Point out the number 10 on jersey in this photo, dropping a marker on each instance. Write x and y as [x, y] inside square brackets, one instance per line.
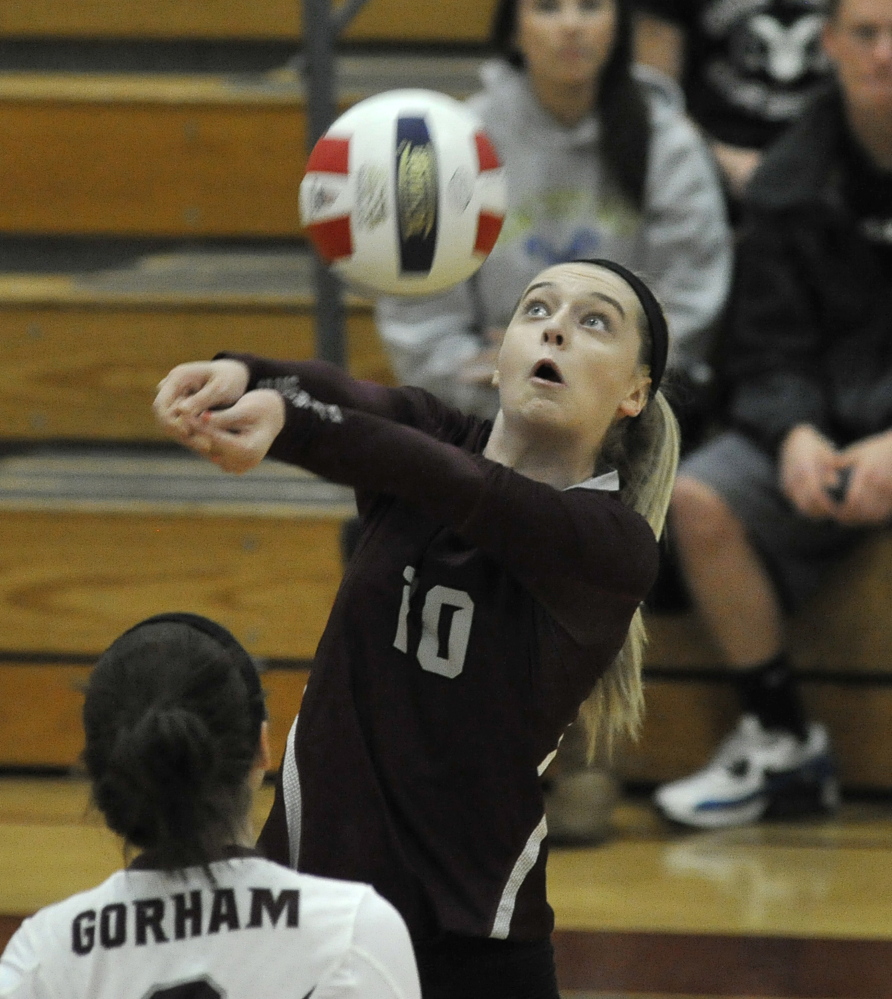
[445, 627]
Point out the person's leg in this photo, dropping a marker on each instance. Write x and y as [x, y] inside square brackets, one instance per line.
[727, 580]
[738, 602]
[726, 514]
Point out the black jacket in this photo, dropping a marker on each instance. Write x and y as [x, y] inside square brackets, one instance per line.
[810, 323]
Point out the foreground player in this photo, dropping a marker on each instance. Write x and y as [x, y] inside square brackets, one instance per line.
[497, 573]
[175, 747]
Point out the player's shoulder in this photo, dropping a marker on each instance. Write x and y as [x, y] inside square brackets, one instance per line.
[49, 929]
[591, 502]
[91, 898]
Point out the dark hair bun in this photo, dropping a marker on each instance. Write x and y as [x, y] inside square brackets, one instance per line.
[172, 718]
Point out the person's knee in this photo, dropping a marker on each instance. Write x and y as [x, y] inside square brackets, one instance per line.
[701, 519]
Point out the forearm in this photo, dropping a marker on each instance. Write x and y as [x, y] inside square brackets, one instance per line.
[325, 382]
[374, 454]
[529, 527]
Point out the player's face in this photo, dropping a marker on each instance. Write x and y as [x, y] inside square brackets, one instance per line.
[859, 41]
[570, 360]
[565, 41]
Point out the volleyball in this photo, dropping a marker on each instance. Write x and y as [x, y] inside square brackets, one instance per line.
[404, 194]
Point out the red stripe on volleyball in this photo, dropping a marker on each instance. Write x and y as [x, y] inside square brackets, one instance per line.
[488, 228]
[329, 156]
[332, 238]
[486, 153]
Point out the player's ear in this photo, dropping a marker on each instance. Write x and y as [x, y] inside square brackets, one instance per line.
[495, 378]
[635, 401]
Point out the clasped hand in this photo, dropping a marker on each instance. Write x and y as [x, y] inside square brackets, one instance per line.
[810, 468]
[204, 406]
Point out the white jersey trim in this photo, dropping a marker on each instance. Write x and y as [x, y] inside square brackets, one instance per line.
[543, 766]
[292, 796]
[609, 481]
[525, 863]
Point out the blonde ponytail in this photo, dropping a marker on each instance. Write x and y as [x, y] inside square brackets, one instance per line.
[644, 451]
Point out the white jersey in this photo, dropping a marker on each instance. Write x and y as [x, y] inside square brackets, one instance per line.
[260, 931]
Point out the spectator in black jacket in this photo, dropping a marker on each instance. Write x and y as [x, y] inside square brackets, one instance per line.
[805, 469]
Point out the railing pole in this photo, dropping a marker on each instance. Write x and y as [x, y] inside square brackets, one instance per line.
[319, 68]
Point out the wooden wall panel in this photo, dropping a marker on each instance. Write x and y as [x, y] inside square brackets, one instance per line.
[90, 373]
[651, 965]
[381, 20]
[284, 693]
[685, 721]
[40, 714]
[40, 711]
[71, 582]
[138, 169]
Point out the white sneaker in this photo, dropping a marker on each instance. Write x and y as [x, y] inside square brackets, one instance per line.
[756, 773]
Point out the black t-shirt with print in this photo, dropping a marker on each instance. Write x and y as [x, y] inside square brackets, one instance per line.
[750, 65]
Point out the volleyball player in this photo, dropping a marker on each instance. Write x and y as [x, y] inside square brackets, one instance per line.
[499, 569]
[176, 745]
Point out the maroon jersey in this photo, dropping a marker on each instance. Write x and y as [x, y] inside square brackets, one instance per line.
[476, 614]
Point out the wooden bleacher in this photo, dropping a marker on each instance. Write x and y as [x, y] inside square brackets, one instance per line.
[173, 155]
[841, 644]
[145, 155]
[84, 352]
[95, 540]
[101, 524]
[390, 21]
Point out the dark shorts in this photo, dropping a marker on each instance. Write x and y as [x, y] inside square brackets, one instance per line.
[454, 967]
[797, 551]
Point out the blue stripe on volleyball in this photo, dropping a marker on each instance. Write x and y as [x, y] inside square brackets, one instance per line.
[417, 207]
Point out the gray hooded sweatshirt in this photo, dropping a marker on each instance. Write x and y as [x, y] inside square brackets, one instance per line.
[561, 207]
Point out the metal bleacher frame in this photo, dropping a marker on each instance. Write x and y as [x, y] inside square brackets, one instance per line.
[323, 24]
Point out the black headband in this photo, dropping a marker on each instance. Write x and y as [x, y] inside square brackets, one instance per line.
[225, 638]
[656, 321]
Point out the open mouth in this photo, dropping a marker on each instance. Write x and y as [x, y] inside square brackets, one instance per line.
[548, 371]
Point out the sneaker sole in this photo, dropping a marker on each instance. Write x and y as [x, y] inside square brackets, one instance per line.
[721, 817]
[809, 790]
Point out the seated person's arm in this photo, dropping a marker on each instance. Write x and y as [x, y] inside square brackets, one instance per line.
[433, 343]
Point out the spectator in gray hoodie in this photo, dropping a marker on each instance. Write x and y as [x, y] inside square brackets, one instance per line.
[600, 160]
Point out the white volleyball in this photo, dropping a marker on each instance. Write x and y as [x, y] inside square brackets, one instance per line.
[404, 194]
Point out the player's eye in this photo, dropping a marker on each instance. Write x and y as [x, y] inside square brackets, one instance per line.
[595, 321]
[535, 309]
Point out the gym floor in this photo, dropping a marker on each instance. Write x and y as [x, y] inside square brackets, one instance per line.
[777, 911]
